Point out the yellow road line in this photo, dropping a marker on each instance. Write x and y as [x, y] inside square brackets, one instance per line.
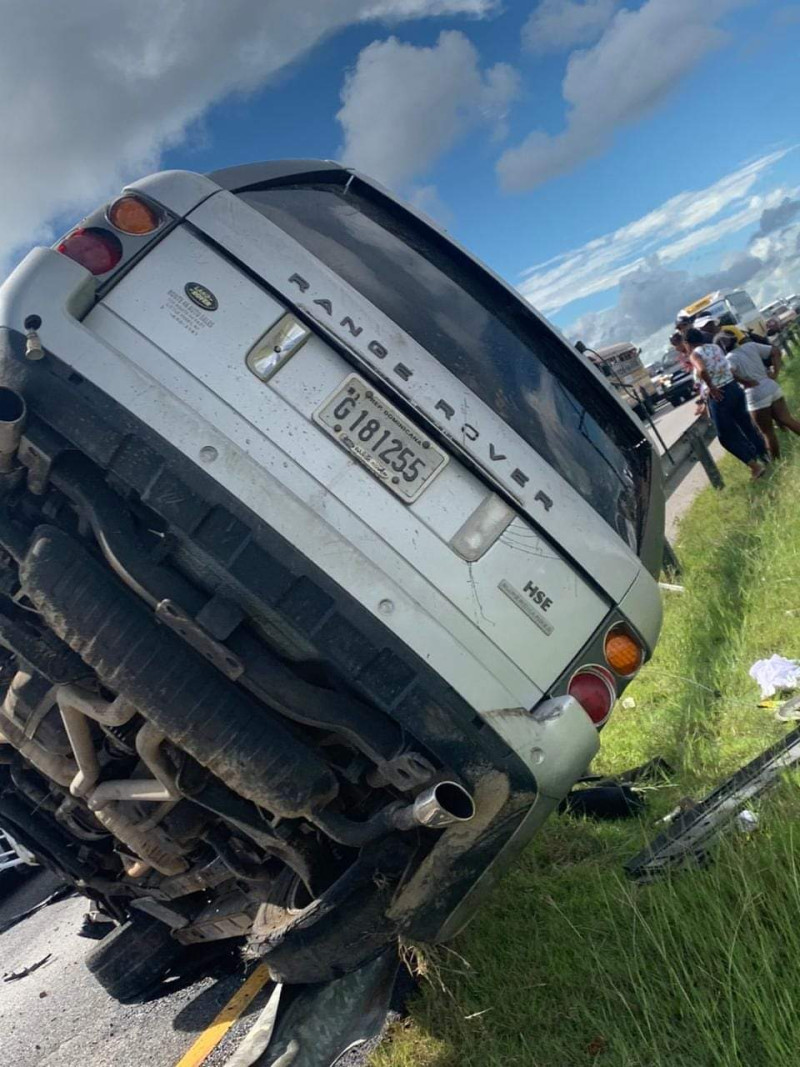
[213, 1034]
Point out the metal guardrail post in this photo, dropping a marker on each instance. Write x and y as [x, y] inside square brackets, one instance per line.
[701, 453]
[670, 563]
[691, 447]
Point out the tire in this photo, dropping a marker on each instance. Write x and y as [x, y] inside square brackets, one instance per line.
[676, 401]
[129, 962]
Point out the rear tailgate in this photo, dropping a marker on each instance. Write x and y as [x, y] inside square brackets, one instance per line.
[517, 614]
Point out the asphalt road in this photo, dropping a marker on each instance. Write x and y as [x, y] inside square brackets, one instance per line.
[59, 1017]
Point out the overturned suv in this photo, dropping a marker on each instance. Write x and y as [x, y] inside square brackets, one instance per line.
[323, 559]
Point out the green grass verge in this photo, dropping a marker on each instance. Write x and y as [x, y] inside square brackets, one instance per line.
[568, 964]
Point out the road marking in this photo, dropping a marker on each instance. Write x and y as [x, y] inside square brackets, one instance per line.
[213, 1034]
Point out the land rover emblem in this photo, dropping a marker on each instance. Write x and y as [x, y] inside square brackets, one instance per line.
[201, 296]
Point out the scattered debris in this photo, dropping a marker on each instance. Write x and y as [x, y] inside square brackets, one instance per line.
[15, 976]
[618, 801]
[614, 797]
[476, 1014]
[746, 821]
[668, 587]
[686, 841]
[60, 893]
[789, 711]
[774, 674]
[316, 1025]
[629, 703]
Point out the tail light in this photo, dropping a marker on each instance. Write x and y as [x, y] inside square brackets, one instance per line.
[624, 654]
[593, 687]
[131, 214]
[96, 249]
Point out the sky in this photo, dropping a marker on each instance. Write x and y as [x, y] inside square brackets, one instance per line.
[612, 159]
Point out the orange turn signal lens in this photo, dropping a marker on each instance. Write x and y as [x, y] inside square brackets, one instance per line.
[624, 654]
[132, 215]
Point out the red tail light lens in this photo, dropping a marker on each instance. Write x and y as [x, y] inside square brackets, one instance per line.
[593, 688]
[95, 249]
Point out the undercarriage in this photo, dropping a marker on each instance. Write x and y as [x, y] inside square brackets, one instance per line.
[180, 744]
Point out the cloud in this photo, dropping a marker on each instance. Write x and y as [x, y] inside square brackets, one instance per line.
[96, 90]
[403, 106]
[776, 218]
[680, 225]
[651, 296]
[558, 25]
[642, 56]
[426, 199]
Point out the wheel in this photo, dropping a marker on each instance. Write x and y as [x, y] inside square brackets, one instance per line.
[134, 958]
[676, 401]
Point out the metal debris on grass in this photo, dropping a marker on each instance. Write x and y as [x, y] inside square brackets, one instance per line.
[686, 841]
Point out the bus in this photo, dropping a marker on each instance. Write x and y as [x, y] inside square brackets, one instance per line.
[325, 561]
[622, 365]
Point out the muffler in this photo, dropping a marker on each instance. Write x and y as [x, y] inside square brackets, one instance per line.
[170, 684]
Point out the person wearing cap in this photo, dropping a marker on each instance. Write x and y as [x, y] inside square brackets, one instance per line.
[726, 404]
[708, 327]
[763, 395]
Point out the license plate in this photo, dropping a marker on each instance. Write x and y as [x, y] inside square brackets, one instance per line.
[375, 433]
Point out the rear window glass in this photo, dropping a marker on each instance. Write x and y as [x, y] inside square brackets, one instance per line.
[523, 371]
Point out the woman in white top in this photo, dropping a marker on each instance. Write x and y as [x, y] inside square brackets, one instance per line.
[763, 395]
[726, 406]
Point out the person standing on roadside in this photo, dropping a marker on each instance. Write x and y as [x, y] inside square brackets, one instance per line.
[682, 350]
[708, 327]
[764, 397]
[726, 404]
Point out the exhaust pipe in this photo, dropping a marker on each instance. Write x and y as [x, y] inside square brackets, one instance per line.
[13, 413]
[439, 806]
[435, 808]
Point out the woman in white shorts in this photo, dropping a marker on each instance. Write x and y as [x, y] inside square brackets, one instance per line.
[764, 397]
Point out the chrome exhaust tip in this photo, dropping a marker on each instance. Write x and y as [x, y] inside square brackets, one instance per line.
[442, 805]
[13, 414]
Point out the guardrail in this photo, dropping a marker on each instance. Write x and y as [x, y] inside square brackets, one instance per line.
[690, 448]
[677, 461]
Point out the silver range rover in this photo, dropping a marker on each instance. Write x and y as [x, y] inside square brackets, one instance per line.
[324, 561]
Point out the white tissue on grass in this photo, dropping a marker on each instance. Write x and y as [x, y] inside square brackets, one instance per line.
[774, 674]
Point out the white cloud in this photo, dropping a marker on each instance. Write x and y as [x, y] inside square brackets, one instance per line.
[558, 25]
[650, 296]
[426, 199]
[96, 89]
[680, 225]
[403, 106]
[641, 57]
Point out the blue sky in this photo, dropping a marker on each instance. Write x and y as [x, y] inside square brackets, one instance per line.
[605, 156]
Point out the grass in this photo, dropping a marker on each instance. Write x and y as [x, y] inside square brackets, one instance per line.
[569, 964]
